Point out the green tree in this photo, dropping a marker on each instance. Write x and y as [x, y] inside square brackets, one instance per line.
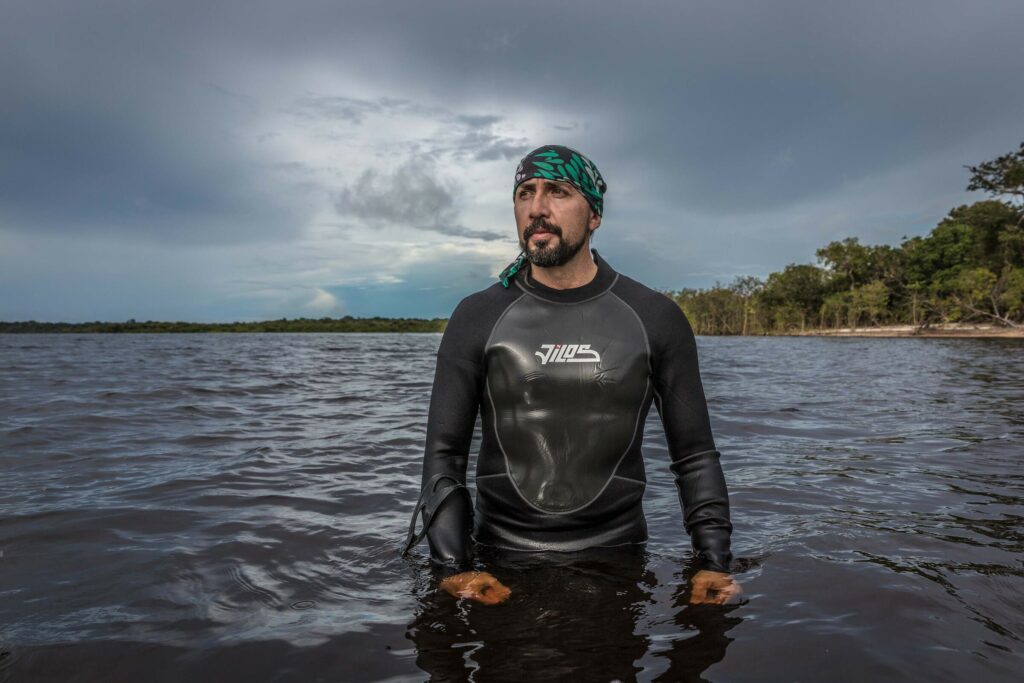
[747, 288]
[794, 296]
[1011, 245]
[847, 262]
[936, 260]
[718, 310]
[981, 293]
[989, 220]
[1011, 296]
[1000, 177]
[871, 299]
[835, 310]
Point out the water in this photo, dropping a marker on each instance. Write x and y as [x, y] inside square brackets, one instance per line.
[231, 507]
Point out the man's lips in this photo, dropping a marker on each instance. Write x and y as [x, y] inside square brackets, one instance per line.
[541, 234]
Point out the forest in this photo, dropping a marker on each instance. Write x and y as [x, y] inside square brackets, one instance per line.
[969, 268]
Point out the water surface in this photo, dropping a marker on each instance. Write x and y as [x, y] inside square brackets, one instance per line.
[231, 507]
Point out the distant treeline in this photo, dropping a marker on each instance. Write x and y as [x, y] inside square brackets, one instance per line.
[346, 324]
[970, 268]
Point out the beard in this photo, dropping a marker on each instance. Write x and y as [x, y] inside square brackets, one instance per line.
[546, 254]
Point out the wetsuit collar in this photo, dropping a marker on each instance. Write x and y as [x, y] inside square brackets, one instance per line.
[602, 282]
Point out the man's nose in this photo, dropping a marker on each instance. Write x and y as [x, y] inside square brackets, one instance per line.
[539, 206]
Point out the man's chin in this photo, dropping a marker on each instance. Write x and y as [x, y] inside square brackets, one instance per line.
[540, 251]
[542, 242]
[551, 251]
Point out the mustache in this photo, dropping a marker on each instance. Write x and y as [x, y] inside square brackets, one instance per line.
[541, 225]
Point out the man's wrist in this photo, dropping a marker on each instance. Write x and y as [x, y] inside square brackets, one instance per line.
[714, 561]
[442, 570]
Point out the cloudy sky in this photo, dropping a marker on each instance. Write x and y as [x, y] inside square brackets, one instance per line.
[248, 159]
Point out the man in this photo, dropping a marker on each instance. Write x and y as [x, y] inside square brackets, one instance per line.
[563, 358]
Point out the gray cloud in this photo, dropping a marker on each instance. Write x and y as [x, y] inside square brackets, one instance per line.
[706, 99]
[64, 170]
[104, 132]
[480, 140]
[347, 109]
[414, 195]
[457, 230]
[729, 133]
[485, 145]
[356, 110]
[478, 122]
[709, 97]
[466, 136]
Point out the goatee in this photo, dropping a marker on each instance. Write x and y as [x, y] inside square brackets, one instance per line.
[546, 254]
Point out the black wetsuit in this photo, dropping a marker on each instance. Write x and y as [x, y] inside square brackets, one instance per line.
[564, 380]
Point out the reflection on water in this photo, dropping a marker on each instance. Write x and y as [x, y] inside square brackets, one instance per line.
[231, 507]
[572, 617]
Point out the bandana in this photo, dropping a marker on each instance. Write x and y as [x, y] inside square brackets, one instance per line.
[555, 162]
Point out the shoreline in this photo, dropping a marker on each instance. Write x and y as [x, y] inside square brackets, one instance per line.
[437, 325]
[946, 330]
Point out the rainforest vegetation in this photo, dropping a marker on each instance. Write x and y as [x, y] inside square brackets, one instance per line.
[969, 268]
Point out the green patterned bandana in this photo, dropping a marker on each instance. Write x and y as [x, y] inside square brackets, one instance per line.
[555, 162]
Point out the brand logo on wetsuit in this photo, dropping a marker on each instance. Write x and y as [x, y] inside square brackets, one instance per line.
[567, 353]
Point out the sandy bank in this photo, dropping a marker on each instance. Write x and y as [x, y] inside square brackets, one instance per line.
[945, 330]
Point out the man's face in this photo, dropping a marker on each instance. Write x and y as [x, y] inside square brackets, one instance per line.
[553, 220]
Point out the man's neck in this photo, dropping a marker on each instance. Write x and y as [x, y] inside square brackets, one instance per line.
[576, 273]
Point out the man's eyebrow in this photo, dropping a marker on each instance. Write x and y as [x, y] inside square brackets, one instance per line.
[560, 184]
[549, 185]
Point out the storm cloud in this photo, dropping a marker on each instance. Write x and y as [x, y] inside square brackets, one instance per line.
[270, 159]
[414, 195]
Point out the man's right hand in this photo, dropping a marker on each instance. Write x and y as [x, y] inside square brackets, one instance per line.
[479, 586]
[715, 588]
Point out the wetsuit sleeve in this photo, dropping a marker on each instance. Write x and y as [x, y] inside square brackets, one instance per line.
[679, 396]
[454, 401]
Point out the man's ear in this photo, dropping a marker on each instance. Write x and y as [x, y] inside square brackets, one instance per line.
[595, 220]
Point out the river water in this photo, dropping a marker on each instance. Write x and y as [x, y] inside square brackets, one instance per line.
[231, 507]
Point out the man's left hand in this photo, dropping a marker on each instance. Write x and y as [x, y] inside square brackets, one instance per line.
[714, 588]
[479, 586]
